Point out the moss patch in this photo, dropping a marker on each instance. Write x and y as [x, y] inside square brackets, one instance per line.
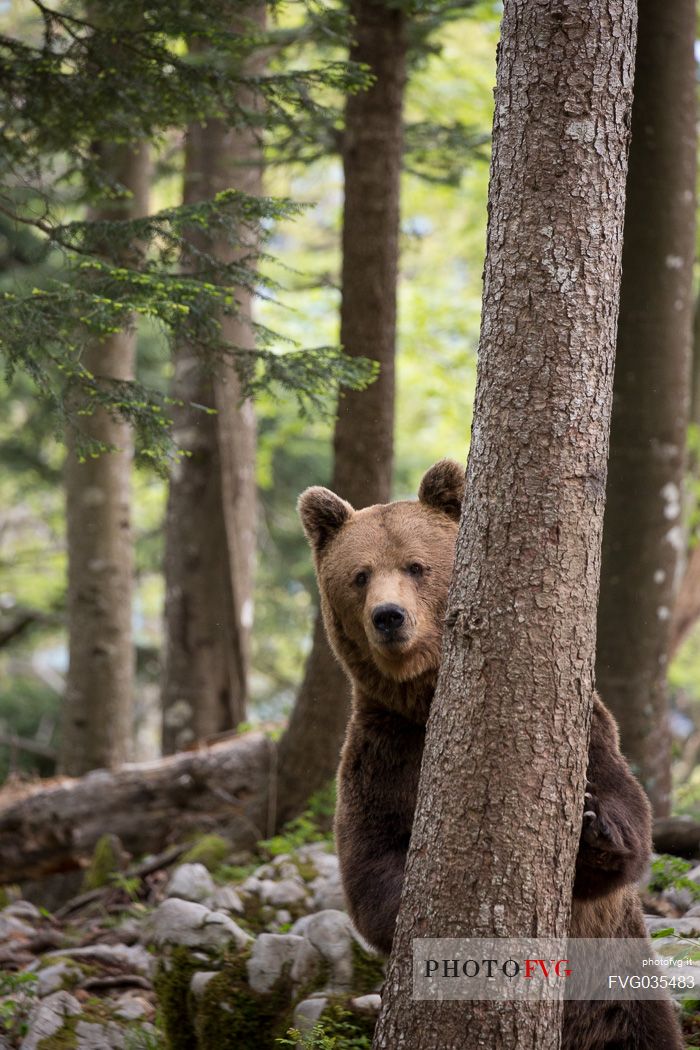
[306, 869]
[367, 970]
[253, 920]
[173, 989]
[231, 1016]
[64, 1039]
[107, 861]
[209, 850]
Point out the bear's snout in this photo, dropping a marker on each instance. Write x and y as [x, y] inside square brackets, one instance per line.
[388, 618]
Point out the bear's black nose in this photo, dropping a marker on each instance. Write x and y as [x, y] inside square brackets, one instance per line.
[388, 617]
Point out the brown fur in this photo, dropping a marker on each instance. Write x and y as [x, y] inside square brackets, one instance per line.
[400, 555]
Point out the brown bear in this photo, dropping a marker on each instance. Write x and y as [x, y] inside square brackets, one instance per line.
[383, 576]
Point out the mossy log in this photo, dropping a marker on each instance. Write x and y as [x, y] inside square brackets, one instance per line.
[50, 827]
[677, 835]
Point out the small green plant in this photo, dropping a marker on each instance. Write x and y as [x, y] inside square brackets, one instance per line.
[313, 825]
[313, 1040]
[235, 872]
[17, 994]
[130, 885]
[668, 931]
[338, 1029]
[668, 872]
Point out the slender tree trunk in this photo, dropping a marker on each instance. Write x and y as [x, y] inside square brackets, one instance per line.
[686, 608]
[363, 442]
[506, 749]
[210, 531]
[643, 536]
[98, 705]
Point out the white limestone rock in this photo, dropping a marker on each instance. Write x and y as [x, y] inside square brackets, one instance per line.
[48, 1017]
[191, 882]
[193, 925]
[272, 953]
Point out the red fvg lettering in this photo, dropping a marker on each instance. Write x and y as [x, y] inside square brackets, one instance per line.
[532, 966]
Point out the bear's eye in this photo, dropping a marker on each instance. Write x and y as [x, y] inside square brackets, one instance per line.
[361, 578]
[415, 568]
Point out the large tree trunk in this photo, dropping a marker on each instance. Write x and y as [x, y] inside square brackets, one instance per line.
[506, 749]
[363, 442]
[97, 709]
[643, 536]
[54, 827]
[210, 531]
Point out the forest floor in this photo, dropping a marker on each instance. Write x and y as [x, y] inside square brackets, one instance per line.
[213, 951]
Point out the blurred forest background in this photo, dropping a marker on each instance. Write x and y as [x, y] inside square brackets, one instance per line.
[442, 244]
[112, 112]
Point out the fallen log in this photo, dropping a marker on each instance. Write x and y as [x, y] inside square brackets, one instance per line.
[47, 828]
[677, 835]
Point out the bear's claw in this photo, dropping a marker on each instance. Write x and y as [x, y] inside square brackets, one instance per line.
[596, 831]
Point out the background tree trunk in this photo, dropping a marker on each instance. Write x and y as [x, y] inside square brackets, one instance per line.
[363, 442]
[506, 748]
[643, 536]
[210, 530]
[686, 608]
[96, 723]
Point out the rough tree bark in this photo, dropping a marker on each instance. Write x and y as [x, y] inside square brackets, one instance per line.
[643, 535]
[210, 530]
[363, 443]
[96, 718]
[506, 748]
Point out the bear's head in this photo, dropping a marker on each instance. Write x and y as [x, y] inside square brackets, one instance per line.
[383, 573]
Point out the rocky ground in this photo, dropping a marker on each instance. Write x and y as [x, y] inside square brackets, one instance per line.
[206, 954]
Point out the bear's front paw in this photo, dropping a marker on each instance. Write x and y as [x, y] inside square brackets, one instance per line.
[596, 831]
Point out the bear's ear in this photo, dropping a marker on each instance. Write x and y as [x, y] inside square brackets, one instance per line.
[442, 488]
[322, 513]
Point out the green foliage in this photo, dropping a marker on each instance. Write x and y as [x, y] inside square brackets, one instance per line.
[338, 1029]
[235, 872]
[21, 991]
[442, 244]
[439, 152]
[128, 884]
[121, 77]
[669, 872]
[46, 328]
[122, 74]
[667, 931]
[313, 825]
